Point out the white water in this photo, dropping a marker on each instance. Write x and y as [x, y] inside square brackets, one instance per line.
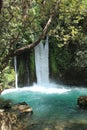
[16, 76]
[54, 102]
[41, 89]
[42, 73]
[54, 106]
[42, 63]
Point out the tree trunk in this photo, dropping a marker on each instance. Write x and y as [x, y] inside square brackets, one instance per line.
[0, 5]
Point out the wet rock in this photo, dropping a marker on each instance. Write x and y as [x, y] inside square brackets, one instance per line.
[14, 118]
[82, 102]
[2, 110]
[23, 108]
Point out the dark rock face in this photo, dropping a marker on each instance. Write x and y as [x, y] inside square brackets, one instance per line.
[82, 102]
[74, 76]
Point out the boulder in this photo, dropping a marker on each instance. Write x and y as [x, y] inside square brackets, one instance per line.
[23, 108]
[82, 102]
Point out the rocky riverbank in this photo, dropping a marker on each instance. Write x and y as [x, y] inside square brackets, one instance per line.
[14, 117]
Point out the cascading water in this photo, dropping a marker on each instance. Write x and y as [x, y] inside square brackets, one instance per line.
[55, 107]
[42, 63]
[16, 77]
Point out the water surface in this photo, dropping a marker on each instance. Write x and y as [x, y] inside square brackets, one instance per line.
[55, 107]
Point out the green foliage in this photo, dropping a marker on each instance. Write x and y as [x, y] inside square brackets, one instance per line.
[23, 21]
[7, 77]
[81, 59]
[21, 67]
[64, 58]
[68, 26]
[60, 57]
[32, 66]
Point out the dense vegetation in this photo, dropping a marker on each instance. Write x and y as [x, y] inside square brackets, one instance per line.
[25, 23]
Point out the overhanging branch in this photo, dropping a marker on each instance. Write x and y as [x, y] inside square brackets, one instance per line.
[43, 34]
[32, 45]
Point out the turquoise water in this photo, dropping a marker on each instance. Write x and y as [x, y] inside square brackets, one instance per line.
[57, 105]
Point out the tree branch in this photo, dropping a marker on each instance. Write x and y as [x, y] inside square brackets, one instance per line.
[43, 34]
[32, 45]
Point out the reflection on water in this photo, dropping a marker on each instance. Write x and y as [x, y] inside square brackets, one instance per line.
[55, 107]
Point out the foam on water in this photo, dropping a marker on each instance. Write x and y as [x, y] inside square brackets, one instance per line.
[47, 88]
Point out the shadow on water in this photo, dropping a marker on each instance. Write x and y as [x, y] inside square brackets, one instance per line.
[57, 126]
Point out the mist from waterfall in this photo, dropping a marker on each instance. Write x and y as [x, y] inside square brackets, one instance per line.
[16, 73]
[42, 62]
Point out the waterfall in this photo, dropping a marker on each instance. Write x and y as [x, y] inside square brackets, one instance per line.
[42, 63]
[15, 67]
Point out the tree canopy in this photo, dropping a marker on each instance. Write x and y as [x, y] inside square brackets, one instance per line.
[25, 23]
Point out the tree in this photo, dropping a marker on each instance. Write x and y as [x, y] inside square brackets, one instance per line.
[21, 21]
[25, 23]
